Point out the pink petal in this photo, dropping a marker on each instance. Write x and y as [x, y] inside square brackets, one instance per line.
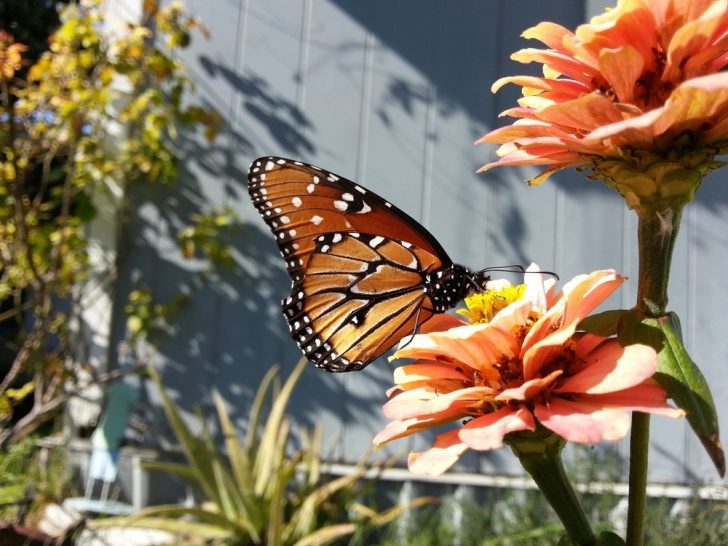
[449, 406]
[610, 368]
[487, 432]
[400, 429]
[545, 350]
[567, 87]
[585, 113]
[692, 38]
[548, 33]
[585, 423]
[586, 343]
[560, 62]
[427, 372]
[528, 389]
[535, 287]
[444, 453]
[648, 397]
[589, 293]
[476, 346]
[689, 108]
[442, 322]
[622, 68]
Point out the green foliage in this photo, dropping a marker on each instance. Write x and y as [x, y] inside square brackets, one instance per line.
[678, 375]
[256, 492]
[147, 319]
[23, 478]
[523, 518]
[207, 235]
[94, 111]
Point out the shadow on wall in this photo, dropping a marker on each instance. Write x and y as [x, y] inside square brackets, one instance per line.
[232, 331]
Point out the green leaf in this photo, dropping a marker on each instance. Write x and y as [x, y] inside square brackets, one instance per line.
[678, 375]
[607, 538]
[327, 535]
[686, 385]
[602, 324]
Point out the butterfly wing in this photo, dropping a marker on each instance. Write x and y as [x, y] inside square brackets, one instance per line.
[360, 295]
[300, 202]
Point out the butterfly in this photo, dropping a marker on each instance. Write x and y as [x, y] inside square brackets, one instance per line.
[364, 273]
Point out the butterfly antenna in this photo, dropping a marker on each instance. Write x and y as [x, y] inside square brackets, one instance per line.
[517, 268]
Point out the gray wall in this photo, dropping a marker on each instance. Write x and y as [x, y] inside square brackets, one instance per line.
[391, 94]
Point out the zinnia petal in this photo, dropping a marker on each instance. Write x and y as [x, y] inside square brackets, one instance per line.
[487, 432]
[444, 453]
[583, 422]
[446, 407]
[610, 368]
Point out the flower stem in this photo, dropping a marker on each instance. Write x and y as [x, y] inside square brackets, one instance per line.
[656, 235]
[656, 232]
[541, 457]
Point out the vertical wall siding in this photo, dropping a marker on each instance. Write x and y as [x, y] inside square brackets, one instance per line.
[391, 94]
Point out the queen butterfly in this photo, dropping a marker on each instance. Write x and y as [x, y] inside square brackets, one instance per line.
[364, 273]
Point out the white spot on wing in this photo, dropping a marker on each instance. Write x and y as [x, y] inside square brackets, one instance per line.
[341, 205]
[376, 241]
[347, 197]
[316, 219]
[336, 238]
[270, 166]
[296, 202]
[310, 188]
[285, 219]
[364, 209]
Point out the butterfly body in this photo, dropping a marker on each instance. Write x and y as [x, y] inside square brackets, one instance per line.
[364, 274]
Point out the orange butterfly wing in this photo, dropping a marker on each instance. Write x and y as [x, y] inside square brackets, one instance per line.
[300, 202]
[360, 295]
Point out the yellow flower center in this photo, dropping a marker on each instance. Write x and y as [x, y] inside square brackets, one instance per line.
[483, 306]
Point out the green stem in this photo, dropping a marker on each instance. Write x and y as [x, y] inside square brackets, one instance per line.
[540, 455]
[657, 232]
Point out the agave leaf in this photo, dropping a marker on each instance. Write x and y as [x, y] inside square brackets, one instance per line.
[312, 447]
[327, 535]
[387, 516]
[240, 466]
[302, 521]
[227, 504]
[276, 509]
[182, 470]
[264, 461]
[256, 410]
[174, 512]
[176, 526]
[197, 454]
[239, 460]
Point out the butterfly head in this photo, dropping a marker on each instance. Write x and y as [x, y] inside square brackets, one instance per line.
[449, 285]
[477, 281]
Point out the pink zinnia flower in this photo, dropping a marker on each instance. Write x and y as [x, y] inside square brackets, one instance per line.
[524, 362]
[642, 77]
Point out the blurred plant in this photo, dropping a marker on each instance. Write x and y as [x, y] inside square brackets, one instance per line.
[523, 518]
[147, 319]
[206, 236]
[259, 493]
[98, 110]
[26, 486]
